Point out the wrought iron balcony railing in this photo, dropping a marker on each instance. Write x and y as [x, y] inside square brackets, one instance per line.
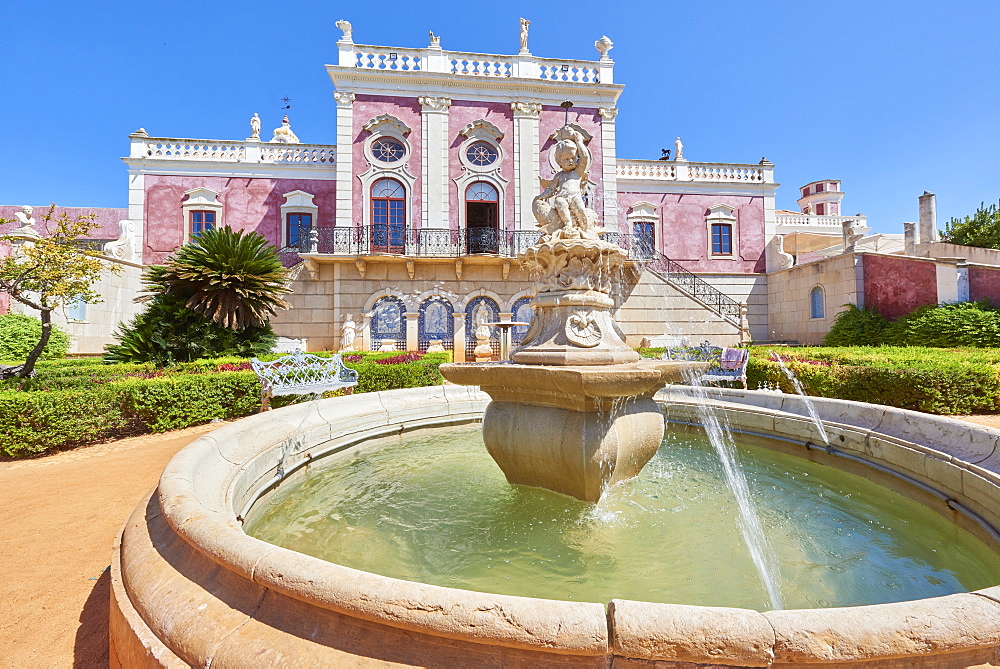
[388, 239]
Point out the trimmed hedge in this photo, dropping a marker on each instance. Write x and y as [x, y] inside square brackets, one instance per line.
[935, 381]
[19, 334]
[78, 402]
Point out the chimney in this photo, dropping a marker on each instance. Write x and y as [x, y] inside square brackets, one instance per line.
[928, 219]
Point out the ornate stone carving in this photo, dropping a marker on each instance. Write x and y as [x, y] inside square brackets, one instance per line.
[387, 123]
[435, 41]
[853, 232]
[582, 329]
[482, 129]
[283, 134]
[679, 153]
[121, 248]
[349, 332]
[608, 113]
[603, 46]
[344, 98]
[347, 29]
[782, 259]
[529, 109]
[428, 103]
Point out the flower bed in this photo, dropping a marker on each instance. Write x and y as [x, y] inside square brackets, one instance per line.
[76, 402]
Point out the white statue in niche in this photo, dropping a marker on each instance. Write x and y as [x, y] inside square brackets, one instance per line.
[349, 333]
[284, 134]
[679, 153]
[524, 35]
[255, 126]
[560, 209]
[603, 46]
[347, 29]
[26, 221]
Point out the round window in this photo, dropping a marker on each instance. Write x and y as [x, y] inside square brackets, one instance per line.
[482, 154]
[388, 150]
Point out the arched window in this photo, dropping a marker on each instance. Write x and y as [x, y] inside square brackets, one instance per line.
[388, 231]
[523, 313]
[436, 322]
[481, 310]
[388, 322]
[482, 217]
[816, 307]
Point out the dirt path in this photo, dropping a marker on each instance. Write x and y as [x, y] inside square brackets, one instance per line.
[58, 518]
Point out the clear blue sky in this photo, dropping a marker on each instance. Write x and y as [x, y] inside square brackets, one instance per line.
[893, 98]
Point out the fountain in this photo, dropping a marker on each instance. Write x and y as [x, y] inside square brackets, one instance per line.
[574, 413]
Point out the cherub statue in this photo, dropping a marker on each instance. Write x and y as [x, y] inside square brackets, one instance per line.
[560, 209]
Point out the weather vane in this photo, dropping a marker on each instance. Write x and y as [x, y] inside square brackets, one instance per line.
[287, 100]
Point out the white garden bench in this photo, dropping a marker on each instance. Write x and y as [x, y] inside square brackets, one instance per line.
[302, 374]
[728, 364]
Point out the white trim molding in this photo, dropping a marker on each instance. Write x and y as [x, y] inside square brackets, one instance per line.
[201, 199]
[297, 202]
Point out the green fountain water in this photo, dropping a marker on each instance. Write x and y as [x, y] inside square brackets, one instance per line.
[435, 508]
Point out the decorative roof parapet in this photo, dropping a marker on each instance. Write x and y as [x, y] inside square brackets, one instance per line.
[144, 147]
[437, 60]
[684, 171]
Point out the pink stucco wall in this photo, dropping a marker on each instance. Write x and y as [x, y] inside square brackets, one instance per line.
[248, 204]
[895, 286]
[551, 119]
[462, 113]
[407, 110]
[682, 232]
[106, 218]
[984, 284]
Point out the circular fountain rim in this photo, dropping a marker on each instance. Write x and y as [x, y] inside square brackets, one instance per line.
[204, 485]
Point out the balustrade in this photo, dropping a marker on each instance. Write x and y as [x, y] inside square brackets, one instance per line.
[161, 148]
[178, 149]
[799, 220]
[663, 170]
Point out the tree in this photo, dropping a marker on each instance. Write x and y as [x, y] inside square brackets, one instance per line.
[44, 273]
[214, 297]
[982, 229]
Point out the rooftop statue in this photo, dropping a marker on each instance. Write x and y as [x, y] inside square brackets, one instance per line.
[560, 210]
[26, 222]
[524, 35]
[345, 26]
[603, 46]
[284, 134]
[255, 126]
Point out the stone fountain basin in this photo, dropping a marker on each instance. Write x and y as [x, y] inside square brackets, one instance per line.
[579, 387]
[189, 587]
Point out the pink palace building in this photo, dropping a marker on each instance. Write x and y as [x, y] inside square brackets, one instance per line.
[410, 225]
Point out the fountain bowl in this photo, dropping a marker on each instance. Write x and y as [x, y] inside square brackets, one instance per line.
[190, 587]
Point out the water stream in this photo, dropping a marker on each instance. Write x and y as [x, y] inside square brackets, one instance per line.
[806, 400]
[761, 552]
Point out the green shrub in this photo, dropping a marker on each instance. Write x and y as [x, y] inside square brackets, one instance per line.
[857, 327]
[167, 333]
[19, 334]
[948, 325]
[78, 402]
[935, 381]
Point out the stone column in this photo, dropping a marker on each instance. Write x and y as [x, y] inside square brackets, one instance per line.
[459, 350]
[526, 149]
[345, 158]
[434, 165]
[610, 175]
[928, 218]
[412, 330]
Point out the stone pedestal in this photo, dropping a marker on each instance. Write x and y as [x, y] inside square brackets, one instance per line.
[573, 429]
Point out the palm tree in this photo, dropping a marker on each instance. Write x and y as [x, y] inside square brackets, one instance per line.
[234, 279]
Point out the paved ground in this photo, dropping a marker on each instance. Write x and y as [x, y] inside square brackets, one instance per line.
[58, 518]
